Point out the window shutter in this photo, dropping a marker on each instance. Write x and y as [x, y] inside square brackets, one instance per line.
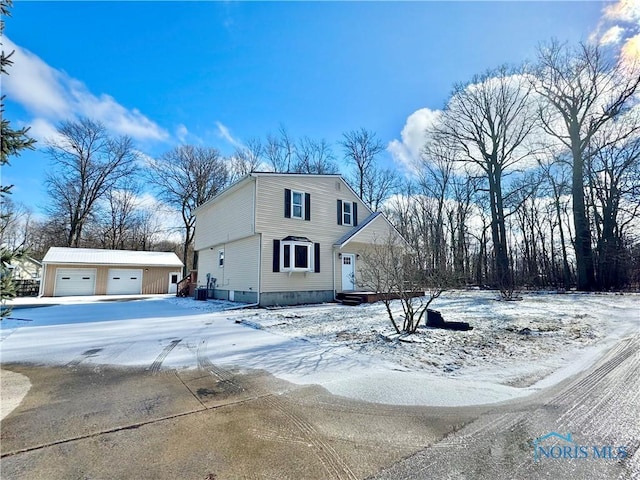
[276, 255]
[339, 212]
[316, 257]
[355, 214]
[287, 203]
[307, 206]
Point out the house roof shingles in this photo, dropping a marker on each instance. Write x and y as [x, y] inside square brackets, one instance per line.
[347, 236]
[93, 256]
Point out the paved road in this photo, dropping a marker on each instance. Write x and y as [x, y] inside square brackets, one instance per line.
[600, 408]
[93, 422]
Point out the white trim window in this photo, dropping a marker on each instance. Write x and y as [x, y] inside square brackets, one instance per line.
[347, 213]
[297, 205]
[221, 258]
[296, 256]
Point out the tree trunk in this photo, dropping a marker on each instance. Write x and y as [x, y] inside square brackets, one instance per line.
[498, 232]
[585, 275]
[566, 270]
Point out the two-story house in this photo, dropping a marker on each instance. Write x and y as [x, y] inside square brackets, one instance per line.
[284, 239]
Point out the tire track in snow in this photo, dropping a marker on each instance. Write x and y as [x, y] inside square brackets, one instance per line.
[155, 366]
[114, 350]
[616, 357]
[329, 458]
[207, 365]
[599, 408]
[273, 435]
[83, 356]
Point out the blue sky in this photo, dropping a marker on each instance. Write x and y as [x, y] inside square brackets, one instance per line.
[217, 73]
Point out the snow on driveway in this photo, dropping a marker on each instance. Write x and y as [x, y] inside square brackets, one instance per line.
[514, 349]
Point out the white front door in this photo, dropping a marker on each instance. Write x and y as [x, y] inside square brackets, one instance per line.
[174, 278]
[348, 271]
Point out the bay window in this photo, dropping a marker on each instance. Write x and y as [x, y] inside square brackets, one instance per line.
[296, 254]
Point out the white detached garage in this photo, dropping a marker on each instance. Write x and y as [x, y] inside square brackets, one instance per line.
[88, 271]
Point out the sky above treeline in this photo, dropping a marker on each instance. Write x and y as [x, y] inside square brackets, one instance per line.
[219, 73]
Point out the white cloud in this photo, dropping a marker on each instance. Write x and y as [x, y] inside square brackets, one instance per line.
[225, 133]
[144, 160]
[42, 130]
[620, 23]
[34, 84]
[631, 51]
[612, 36]
[623, 11]
[407, 152]
[182, 132]
[52, 95]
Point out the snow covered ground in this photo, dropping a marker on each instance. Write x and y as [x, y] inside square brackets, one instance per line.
[515, 348]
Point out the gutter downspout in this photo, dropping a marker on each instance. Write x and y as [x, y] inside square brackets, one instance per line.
[335, 293]
[43, 275]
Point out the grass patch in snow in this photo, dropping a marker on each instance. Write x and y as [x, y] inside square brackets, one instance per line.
[519, 342]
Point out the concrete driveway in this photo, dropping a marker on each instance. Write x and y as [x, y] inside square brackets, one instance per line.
[178, 413]
[91, 422]
[116, 423]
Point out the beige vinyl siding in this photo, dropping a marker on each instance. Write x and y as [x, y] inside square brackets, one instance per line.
[208, 263]
[234, 211]
[155, 280]
[241, 261]
[240, 270]
[378, 231]
[323, 227]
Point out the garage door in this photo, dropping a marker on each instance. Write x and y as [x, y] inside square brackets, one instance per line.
[75, 281]
[124, 281]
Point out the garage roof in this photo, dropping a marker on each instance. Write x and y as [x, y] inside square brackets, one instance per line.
[95, 256]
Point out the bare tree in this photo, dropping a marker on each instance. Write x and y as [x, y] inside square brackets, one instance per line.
[390, 269]
[463, 191]
[246, 159]
[117, 216]
[582, 92]
[436, 175]
[379, 185]
[372, 183]
[614, 191]
[314, 157]
[279, 151]
[88, 162]
[487, 123]
[555, 170]
[146, 232]
[360, 149]
[185, 178]
[16, 224]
